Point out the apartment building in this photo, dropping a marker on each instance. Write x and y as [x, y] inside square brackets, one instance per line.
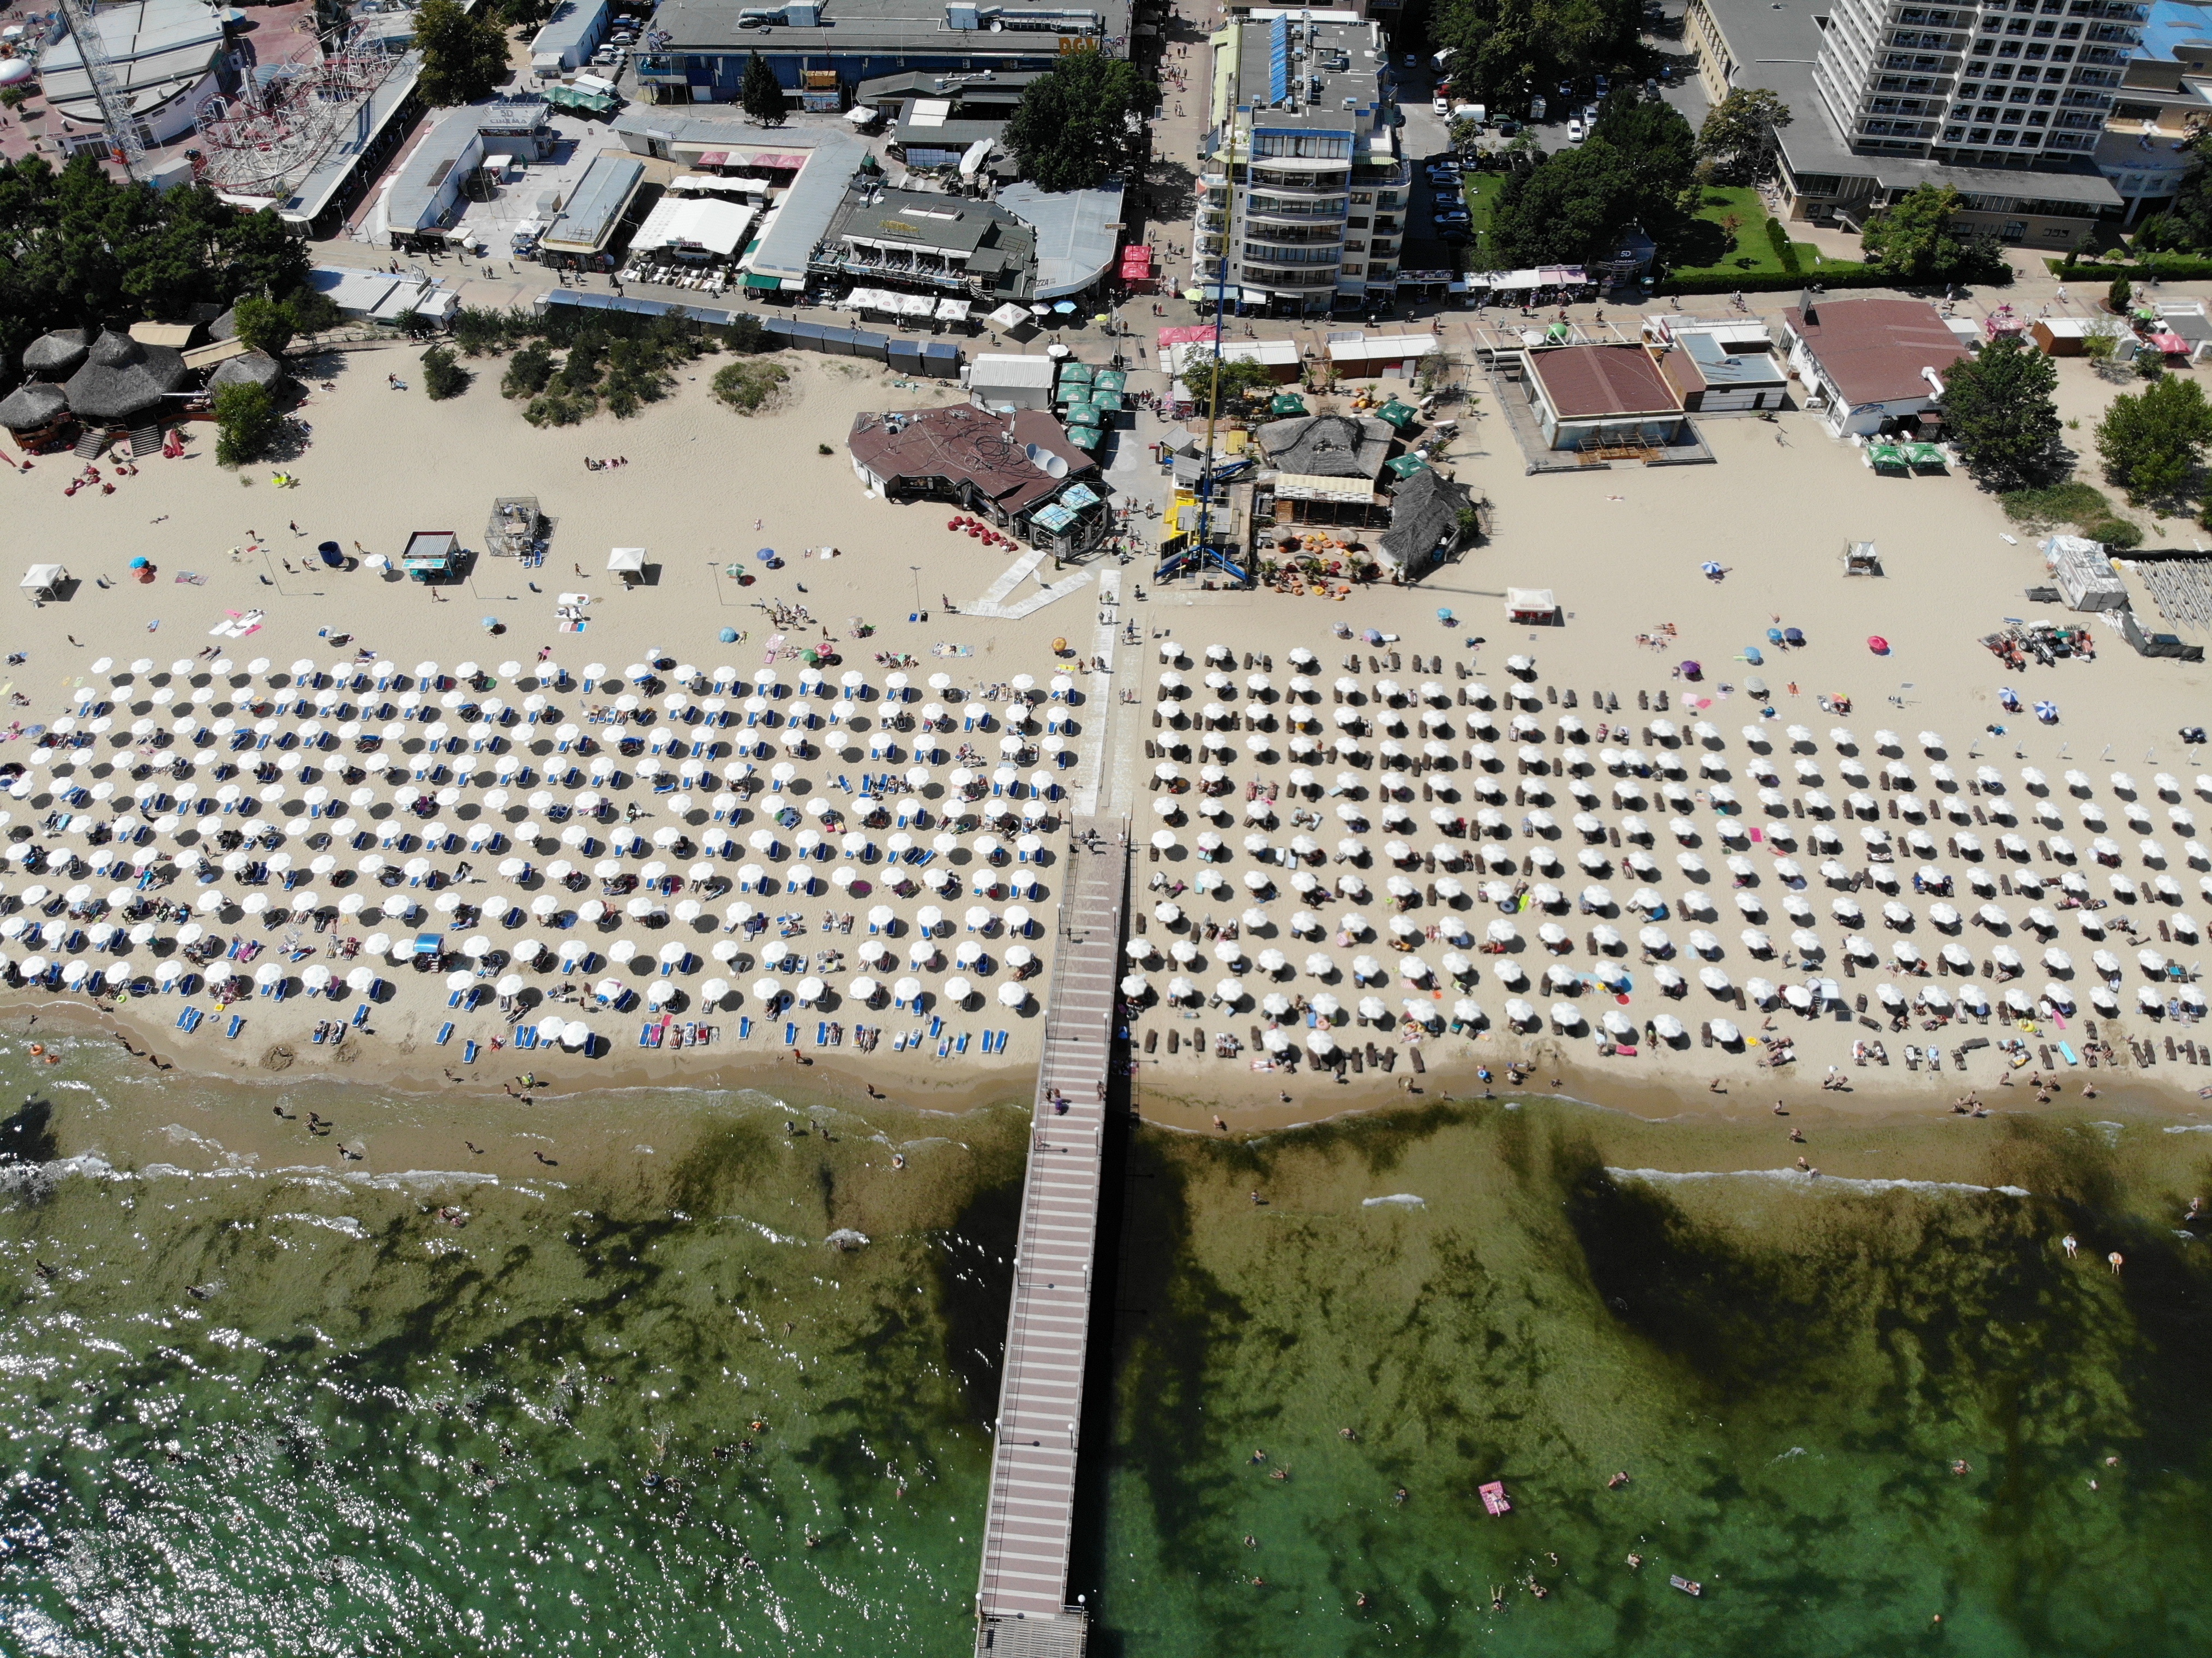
[2164, 102]
[2007, 99]
[1303, 189]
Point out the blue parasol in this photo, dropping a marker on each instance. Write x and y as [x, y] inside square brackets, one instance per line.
[729, 635]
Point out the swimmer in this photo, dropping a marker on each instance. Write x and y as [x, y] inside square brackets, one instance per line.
[898, 1159]
[1346, 1433]
[1250, 1541]
[1635, 1562]
[1616, 1481]
[1258, 1457]
[1962, 1467]
[1399, 1496]
[2070, 1244]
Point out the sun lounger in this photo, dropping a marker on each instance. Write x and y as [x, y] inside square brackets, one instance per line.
[237, 1024]
[744, 1027]
[445, 1031]
[526, 1036]
[183, 1018]
[469, 1052]
[361, 1016]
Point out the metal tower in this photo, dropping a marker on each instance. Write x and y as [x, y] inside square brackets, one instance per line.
[114, 102]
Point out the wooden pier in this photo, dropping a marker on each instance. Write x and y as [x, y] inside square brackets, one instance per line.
[1021, 1600]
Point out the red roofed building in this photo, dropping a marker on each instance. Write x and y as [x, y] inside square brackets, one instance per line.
[1868, 362]
[1596, 397]
[1019, 471]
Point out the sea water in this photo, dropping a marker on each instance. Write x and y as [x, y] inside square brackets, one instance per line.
[645, 1403]
[1787, 1367]
[651, 1409]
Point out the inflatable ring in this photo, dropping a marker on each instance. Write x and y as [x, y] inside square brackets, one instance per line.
[37, 1049]
[53, 1059]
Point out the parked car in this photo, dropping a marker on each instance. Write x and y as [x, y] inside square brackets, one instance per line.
[1602, 85]
[1440, 105]
[1535, 109]
[1574, 128]
[1506, 128]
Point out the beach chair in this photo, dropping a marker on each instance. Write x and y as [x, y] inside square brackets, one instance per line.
[445, 1031]
[744, 1028]
[183, 1018]
[361, 1016]
[936, 1025]
[822, 1032]
[961, 1046]
[453, 1000]
[469, 1052]
[645, 1035]
[526, 1036]
[197, 1016]
[790, 1035]
[898, 1043]
[318, 1038]
[237, 1024]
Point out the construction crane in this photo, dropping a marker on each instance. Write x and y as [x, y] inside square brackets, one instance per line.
[106, 89]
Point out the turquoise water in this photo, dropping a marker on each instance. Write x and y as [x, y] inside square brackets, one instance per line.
[1786, 1370]
[256, 1413]
[279, 1408]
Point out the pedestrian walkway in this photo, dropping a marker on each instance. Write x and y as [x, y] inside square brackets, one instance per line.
[1021, 1599]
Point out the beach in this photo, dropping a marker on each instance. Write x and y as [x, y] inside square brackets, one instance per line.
[1499, 720]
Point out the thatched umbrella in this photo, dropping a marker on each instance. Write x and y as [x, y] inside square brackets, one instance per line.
[33, 407]
[122, 379]
[249, 368]
[56, 356]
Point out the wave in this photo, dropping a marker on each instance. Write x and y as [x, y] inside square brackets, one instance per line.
[1403, 1199]
[1806, 1178]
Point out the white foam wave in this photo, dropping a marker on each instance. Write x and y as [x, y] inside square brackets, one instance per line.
[1402, 1200]
[1805, 1178]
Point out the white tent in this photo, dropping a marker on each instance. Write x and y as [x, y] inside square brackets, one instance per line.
[43, 582]
[626, 561]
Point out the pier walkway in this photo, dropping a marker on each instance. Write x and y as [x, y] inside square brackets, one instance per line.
[1021, 1600]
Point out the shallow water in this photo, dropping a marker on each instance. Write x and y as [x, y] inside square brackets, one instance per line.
[1786, 1368]
[262, 1400]
[252, 1412]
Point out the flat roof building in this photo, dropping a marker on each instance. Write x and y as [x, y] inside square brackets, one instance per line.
[1301, 189]
[1869, 363]
[1595, 397]
[950, 244]
[1712, 377]
[695, 50]
[569, 37]
[2004, 102]
[584, 233]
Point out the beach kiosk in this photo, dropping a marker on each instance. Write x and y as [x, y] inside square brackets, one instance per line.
[432, 555]
[44, 583]
[1537, 606]
[628, 563]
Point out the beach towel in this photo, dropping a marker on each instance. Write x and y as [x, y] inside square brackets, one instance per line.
[192, 576]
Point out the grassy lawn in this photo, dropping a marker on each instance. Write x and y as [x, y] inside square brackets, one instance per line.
[1729, 237]
[1482, 192]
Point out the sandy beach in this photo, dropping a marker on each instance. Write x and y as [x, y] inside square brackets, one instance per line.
[702, 490]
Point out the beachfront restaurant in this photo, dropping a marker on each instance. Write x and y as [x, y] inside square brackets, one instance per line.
[1017, 470]
[1602, 397]
[583, 237]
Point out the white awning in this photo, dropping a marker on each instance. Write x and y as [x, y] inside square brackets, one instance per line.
[626, 559]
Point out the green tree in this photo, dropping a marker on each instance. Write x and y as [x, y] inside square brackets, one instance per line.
[1506, 49]
[759, 92]
[1736, 134]
[443, 376]
[527, 372]
[1997, 406]
[2187, 223]
[2119, 294]
[2152, 441]
[523, 14]
[464, 54]
[247, 423]
[1573, 206]
[1236, 381]
[263, 324]
[1074, 125]
[1912, 237]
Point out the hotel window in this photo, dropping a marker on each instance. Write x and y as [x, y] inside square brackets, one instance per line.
[1952, 134]
[1979, 136]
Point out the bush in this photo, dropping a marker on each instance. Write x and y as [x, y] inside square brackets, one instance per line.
[442, 376]
[247, 423]
[2071, 502]
[2120, 293]
[2118, 534]
[2172, 267]
[748, 387]
[527, 372]
[555, 410]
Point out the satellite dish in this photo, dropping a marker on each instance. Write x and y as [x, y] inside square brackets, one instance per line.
[1032, 451]
[1055, 466]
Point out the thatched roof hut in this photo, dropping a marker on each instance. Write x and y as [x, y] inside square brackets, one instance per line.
[56, 356]
[32, 406]
[249, 368]
[124, 380]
